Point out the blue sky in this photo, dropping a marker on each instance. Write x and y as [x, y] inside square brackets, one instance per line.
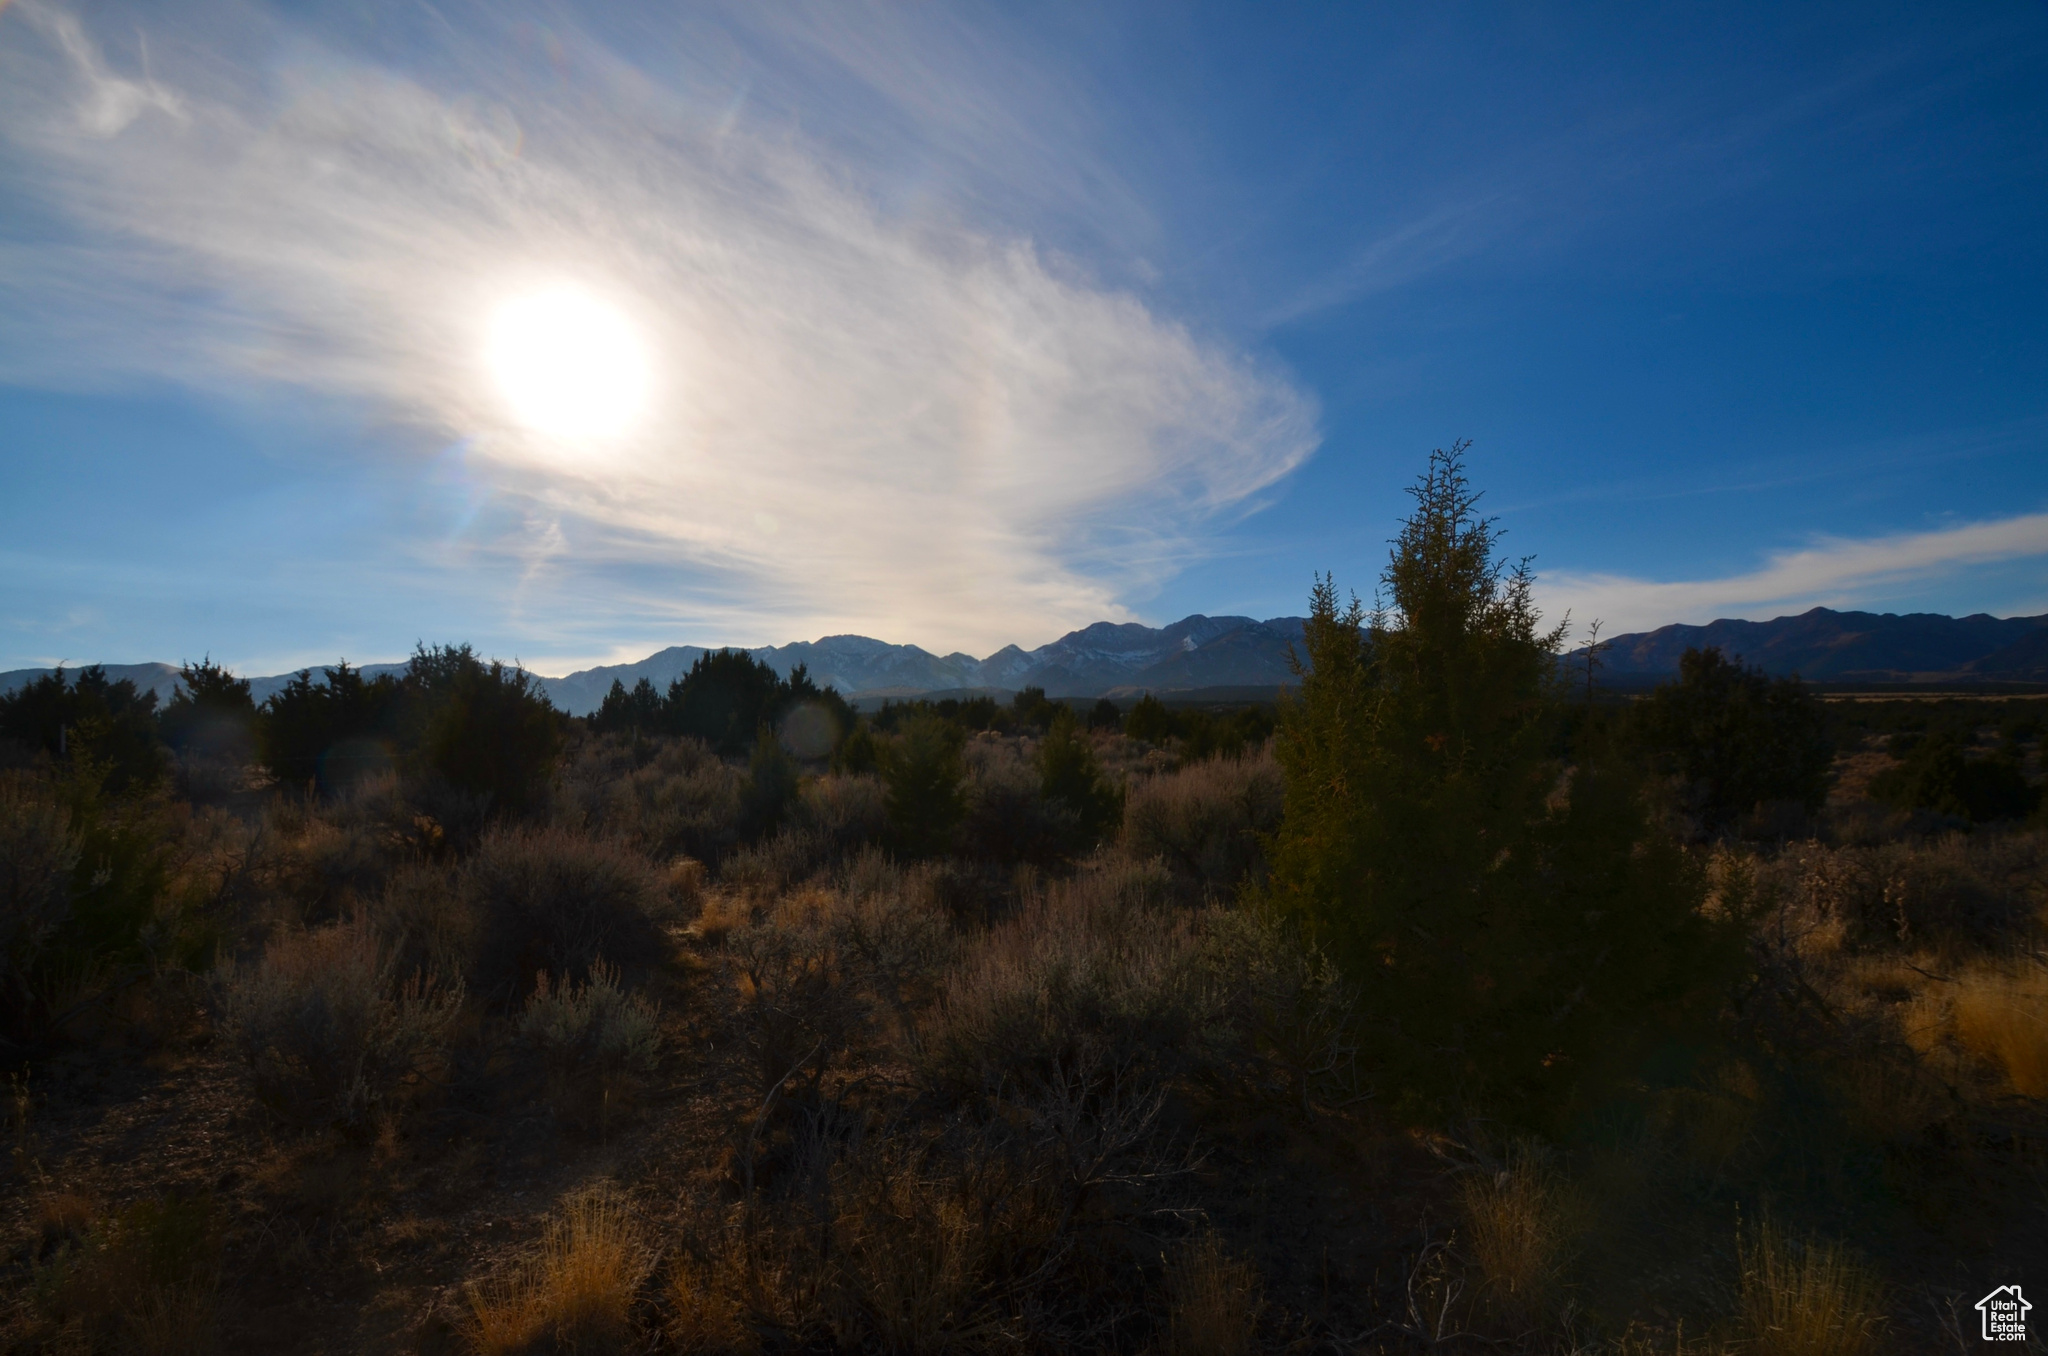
[963, 325]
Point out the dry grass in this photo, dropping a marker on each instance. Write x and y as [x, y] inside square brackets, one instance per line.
[143, 1281]
[1806, 1298]
[2001, 1015]
[720, 911]
[915, 1278]
[575, 1293]
[1520, 1224]
[1215, 1300]
[705, 1310]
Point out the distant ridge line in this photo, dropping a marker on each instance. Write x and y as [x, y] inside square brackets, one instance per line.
[1200, 653]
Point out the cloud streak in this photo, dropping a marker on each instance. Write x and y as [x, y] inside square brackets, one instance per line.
[870, 415]
[1831, 573]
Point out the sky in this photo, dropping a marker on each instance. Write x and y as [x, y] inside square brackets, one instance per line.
[578, 331]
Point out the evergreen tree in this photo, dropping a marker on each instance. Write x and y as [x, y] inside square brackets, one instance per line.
[211, 712]
[1105, 715]
[639, 710]
[1033, 707]
[771, 788]
[486, 729]
[923, 771]
[724, 699]
[1731, 737]
[1150, 721]
[1937, 774]
[329, 733]
[858, 753]
[1071, 781]
[1514, 928]
[88, 721]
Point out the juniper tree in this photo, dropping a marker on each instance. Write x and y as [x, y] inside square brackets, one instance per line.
[1732, 736]
[1071, 780]
[1511, 923]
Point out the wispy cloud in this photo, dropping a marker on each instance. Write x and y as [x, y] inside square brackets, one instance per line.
[880, 415]
[1830, 573]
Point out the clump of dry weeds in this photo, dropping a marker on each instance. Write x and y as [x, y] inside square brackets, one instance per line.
[1521, 1220]
[1805, 1297]
[1214, 1300]
[575, 1292]
[2000, 1014]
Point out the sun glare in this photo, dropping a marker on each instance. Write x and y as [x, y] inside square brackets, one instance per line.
[569, 365]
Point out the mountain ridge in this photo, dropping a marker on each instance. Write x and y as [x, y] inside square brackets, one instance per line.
[1119, 659]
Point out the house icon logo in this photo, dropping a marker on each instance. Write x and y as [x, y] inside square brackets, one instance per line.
[2005, 1314]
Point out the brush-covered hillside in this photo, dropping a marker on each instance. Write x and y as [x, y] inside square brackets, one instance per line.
[1441, 1006]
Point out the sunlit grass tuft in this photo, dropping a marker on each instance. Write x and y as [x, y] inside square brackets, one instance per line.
[1807, 1298]
[575, 1292]
[2002, 1017]
[1519, 1228]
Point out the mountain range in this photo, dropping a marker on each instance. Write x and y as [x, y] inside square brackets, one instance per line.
[1822, 645]
[1125, 659]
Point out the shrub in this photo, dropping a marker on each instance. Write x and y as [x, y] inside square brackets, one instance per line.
[1734, 737]
[1957, 893]
[39, 856]
[1283, 1023]
[1086, 982]
[428, 920]
[141, 1281]
[550, 900]
[1208, 821]
[666, 798]
[593, 1028]
[1805, 1298]
[1005, 816]
[923, 772]
[849, 811]
[328, 1029]
[1936, 774]
[575, 1293]
[797, 1005]
[897, 938]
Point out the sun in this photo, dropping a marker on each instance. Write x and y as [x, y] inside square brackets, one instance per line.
[570, 365]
